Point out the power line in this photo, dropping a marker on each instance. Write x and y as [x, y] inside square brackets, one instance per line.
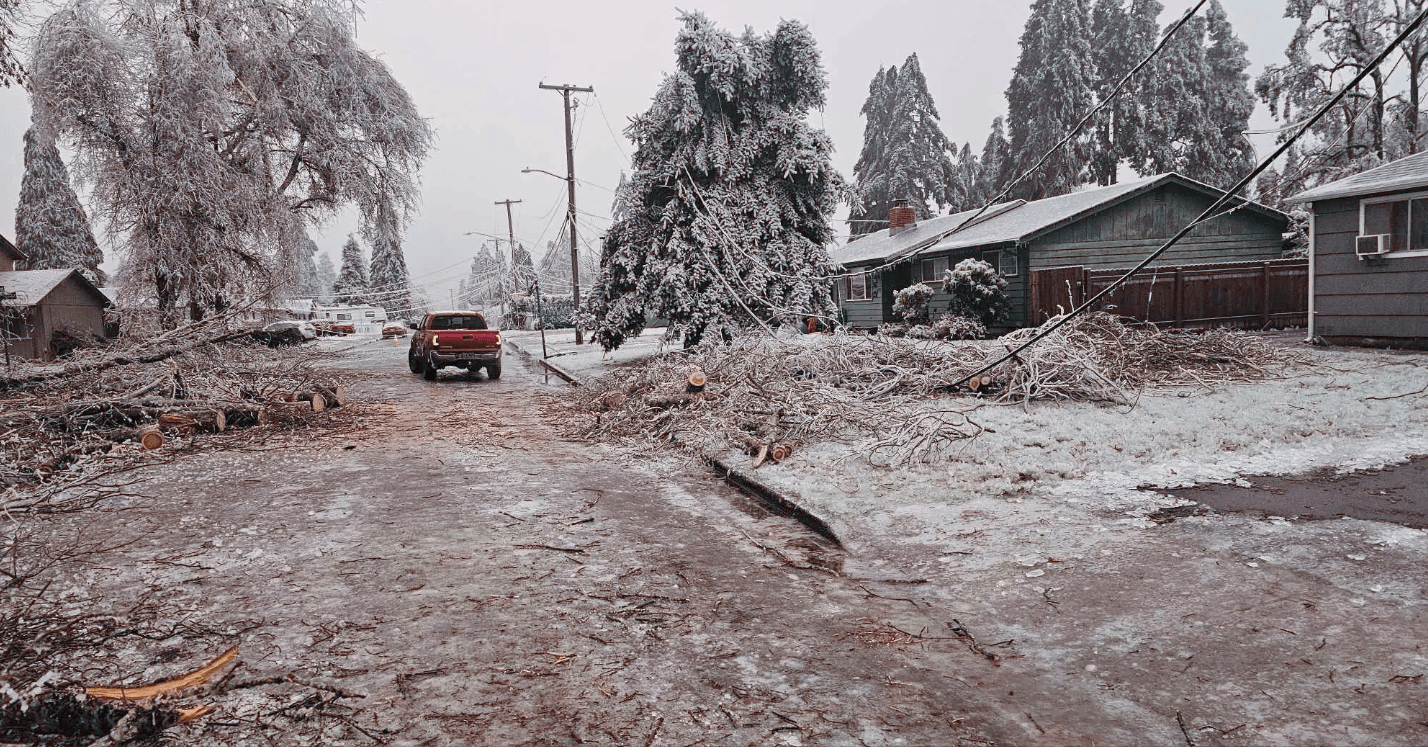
[1213, 209]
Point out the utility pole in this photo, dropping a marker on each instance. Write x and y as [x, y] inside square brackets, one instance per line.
[5, 321]
[511, 230]
[565, 91]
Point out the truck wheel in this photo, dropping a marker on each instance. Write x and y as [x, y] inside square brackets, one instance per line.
[493, 371]
[414, 363]
[428, 371]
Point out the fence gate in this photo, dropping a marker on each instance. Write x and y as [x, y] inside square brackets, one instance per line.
[1055, 291]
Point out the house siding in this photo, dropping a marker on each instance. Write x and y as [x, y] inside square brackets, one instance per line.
[863, 314]
[1354, 299]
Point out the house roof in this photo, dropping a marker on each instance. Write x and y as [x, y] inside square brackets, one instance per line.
[8, 248]
[1405, 173]
[1038, 218]
[879, 246]
[31, 286]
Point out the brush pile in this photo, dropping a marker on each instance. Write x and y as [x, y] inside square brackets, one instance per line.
[102, 409]
[897, 400]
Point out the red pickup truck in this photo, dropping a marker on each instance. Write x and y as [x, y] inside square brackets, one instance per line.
[454, 338]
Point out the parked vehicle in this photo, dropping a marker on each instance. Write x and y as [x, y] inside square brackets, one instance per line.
[331, 329]
[458, 339]
[286, 333]
[394, 329]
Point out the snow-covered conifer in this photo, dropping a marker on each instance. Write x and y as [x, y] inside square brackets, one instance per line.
[1052, 88]
[204, 130]
[389, 280]
[10, 70]
[351, 286]
[523, 272]
[731, 193]
[995, 163]
[309, 283]
[489, 281]
[326, 277]
[50, 225]
[1229, 103]
[905, 154]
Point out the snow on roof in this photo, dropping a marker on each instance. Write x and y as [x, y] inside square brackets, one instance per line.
[1405, 173]
[1041, 216]
[31, 286]
[880, 246]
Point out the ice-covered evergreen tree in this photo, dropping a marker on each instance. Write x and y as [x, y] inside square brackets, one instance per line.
[326, 277]
[389, 280]
[968, 186]
[1229, 103]
[523, 273]
[489, 280]
[50, 225]
[351, 286]
[620, 206]
[308, 282]
[995, 162]
[1052, 88]
[1112, 53]
[905, 154]
[731, 193]
[1178, 128]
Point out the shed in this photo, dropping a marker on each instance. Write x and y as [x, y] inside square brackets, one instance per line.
[1368, 256]
[54, 310]
[9, 255]
[1048, 250]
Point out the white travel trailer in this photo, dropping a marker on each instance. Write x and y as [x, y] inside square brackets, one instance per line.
[366, 320]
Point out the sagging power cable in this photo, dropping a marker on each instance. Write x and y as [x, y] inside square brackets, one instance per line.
[1214, 209]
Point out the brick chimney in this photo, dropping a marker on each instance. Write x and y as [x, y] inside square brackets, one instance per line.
[901, 217]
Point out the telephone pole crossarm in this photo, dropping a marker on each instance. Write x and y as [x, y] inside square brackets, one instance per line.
[565, 91]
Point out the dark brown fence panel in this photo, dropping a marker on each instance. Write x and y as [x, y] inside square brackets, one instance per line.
[1249, 295]
[1055, 292]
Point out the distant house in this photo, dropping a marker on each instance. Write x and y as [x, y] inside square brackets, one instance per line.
[1368, 256]
[1074, 235]
[54, 310]
[9, 255]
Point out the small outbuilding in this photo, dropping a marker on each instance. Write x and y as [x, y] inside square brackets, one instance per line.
[1055, 252]
[53, 312]
[1368, 256]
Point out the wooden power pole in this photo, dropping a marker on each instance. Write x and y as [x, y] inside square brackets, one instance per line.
[511, 230]
[565, 91]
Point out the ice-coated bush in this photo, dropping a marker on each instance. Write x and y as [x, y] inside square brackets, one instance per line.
[978, 292]
[888, 329]
[948, 327]
[913, 304]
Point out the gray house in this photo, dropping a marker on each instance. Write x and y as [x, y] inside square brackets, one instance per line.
[1368, 256]
[53, 312]
[1047, 249]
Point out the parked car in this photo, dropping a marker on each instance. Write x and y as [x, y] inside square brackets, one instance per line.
[394, 329]
[286, 333]
[458, 339]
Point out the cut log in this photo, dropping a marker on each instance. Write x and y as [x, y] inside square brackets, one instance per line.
[336, 396]
[613, 400]
[150, 437]
[194, 421]
[665, 403]
[762, 455]
[697, 380]
[198, 677]
[780, 452]
[242, 417]
[316, 399]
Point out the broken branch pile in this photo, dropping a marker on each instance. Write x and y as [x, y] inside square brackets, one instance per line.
[99, 410]
[891, 396]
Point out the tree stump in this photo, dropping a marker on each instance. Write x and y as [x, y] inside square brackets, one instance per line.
[150, 437]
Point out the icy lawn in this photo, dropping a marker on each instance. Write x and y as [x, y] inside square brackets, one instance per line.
[589, 361]
[1096, 457]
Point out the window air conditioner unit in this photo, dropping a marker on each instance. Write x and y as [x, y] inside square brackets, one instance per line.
[1373, 245]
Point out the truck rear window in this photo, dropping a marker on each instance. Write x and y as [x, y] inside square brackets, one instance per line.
[458, 322]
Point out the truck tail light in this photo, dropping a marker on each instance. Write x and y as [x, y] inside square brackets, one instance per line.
[436, 339]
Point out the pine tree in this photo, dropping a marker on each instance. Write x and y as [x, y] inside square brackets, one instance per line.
[905, 154]
[489, 282]
[731, 193]
[1178, 128]
[995, 162]
[1052, 88]
[1229, 104]
[326, 277]
[351, 286]
[968, 187]
[50, 225]
[620, 206]
[389, 280]
[309, 283]
[1112, 54]
[10, 69]
[1136, 104]
[523, 273]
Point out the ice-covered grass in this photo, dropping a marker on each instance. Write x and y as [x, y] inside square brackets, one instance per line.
[589, 360]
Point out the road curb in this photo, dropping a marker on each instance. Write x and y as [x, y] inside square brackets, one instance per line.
[753, 486]
[569, 377]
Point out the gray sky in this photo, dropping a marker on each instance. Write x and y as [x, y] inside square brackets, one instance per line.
[473, 69]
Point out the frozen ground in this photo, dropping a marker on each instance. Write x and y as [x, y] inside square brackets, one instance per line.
[585, 361]
[1254, 631]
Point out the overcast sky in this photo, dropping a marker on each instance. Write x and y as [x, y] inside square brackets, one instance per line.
[473, 69]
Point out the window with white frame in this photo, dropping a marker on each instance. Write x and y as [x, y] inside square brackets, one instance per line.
[934, 269]
[1004, 261]
[1403, 219]
[856, 287]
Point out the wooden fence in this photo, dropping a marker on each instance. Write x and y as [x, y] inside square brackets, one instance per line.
[1248, 295]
